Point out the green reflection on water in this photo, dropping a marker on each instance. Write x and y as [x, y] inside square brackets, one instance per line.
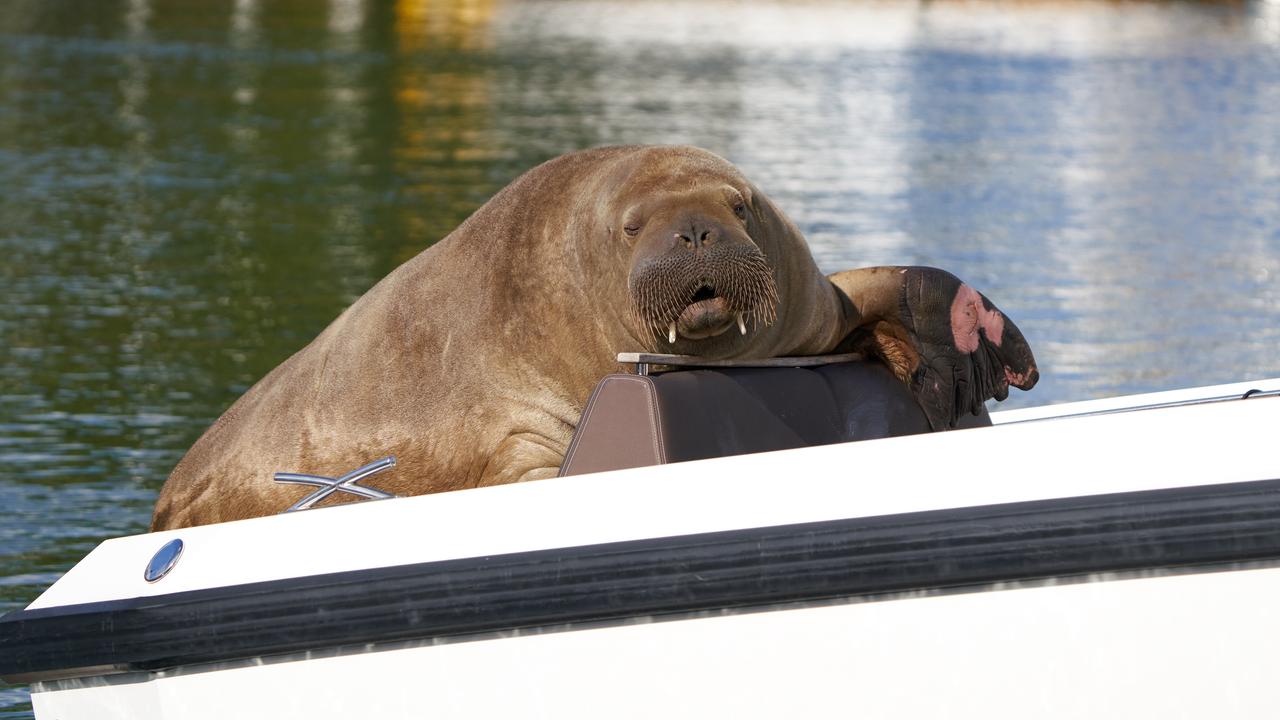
[196, 189]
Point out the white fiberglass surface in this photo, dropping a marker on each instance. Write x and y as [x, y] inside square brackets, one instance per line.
[1171, 447]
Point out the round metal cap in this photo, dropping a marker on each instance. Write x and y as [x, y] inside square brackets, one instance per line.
[163, 561]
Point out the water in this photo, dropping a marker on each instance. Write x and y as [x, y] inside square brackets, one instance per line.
[191, 189]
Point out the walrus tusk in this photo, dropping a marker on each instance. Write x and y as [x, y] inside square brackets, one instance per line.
[671, 333]
[742, 325]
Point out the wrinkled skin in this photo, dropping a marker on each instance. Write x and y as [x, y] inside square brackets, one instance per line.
[472, 361]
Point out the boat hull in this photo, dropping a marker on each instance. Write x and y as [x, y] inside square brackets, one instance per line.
[1197, 645]
[1103, 563]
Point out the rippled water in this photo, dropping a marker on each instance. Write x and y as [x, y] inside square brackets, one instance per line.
[191, 189]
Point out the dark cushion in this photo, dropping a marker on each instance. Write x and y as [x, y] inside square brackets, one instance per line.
[633, 420]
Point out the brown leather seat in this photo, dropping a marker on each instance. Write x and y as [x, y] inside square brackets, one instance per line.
[638, 420]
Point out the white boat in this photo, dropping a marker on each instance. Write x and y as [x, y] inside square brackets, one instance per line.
[1112, 558]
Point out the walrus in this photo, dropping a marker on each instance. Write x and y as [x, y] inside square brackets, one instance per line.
[471, 362]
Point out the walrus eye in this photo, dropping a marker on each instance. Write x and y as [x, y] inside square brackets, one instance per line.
[740, 210]
[631, 229]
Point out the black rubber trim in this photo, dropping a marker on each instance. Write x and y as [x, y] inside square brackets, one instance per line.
[600, 583]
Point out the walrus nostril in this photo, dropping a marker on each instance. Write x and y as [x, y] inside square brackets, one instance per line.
[706, 238]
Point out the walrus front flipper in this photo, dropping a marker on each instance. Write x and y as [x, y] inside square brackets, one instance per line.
[947, 341]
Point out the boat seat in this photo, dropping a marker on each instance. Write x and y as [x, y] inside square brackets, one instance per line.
[693, 414]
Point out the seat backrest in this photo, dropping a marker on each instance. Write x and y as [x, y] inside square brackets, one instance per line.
[638, 420]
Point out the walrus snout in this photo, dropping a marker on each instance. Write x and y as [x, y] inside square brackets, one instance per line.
[702, 290]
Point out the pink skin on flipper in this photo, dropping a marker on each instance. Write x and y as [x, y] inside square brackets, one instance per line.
[967, 315]
[1018, 379]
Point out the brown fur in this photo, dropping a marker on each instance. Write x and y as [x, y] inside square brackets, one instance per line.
[472, 361]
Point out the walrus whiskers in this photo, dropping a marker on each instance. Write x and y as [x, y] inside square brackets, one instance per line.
[663, 289]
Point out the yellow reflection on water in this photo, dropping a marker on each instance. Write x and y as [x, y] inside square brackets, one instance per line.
[432, 24]
[444, 106]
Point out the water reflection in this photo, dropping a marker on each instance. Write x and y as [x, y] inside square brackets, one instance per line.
[194, 188]
[346, 124]
[445, 144]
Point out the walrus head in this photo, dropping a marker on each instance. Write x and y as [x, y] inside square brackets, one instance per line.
[695, 272]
